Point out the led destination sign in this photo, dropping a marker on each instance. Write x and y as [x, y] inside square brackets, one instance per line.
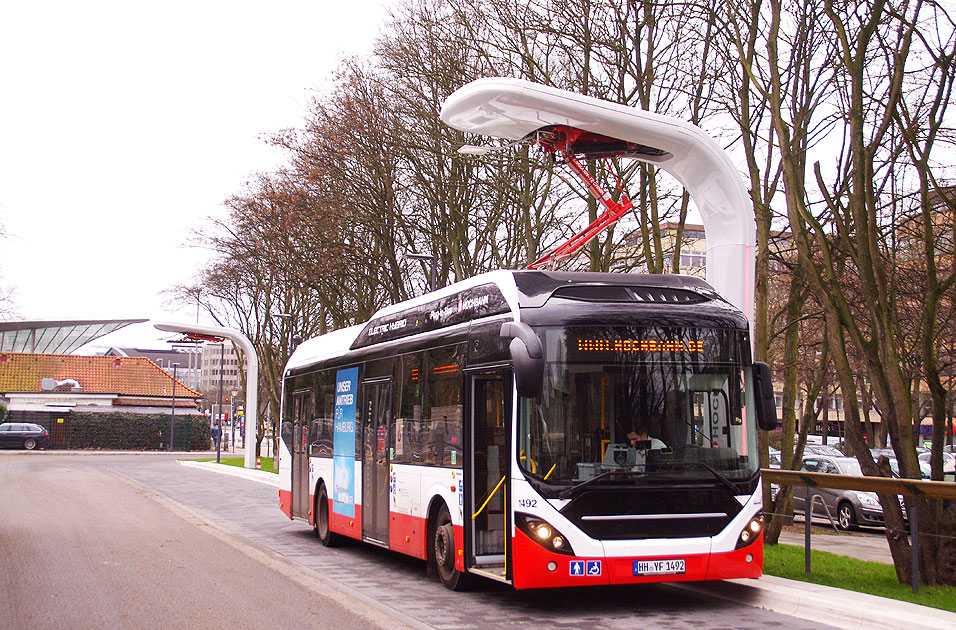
[638, 345]
[645, 343]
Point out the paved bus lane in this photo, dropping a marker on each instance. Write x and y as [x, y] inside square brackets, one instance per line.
[397, 586]
[83, 547]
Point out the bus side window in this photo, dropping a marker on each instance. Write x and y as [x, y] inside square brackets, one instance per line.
[443, 406]
[292, 413]
[321, 433]
[408, 422]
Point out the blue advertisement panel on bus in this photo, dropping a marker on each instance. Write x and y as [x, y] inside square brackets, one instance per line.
[343, 442]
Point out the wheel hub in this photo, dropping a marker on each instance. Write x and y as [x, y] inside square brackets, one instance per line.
[441, 545]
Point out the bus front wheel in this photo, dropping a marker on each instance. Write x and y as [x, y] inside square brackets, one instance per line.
[443, 552]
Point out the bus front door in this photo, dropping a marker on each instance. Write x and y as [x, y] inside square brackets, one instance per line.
[301, 407]
[489, 471]
[376, 409]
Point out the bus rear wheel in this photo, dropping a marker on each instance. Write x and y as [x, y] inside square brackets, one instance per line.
[443, 552]
[321, 511]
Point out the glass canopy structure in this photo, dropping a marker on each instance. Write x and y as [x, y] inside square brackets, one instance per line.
[56, 337]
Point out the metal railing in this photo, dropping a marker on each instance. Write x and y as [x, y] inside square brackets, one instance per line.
[880, 485]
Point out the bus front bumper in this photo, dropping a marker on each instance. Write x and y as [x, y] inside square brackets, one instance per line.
[537, 567]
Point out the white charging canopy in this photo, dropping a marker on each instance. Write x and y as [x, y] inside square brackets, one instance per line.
[513, 108]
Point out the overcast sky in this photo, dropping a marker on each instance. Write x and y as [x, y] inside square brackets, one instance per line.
[123, 125]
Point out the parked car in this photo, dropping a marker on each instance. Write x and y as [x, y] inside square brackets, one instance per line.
[924, 468]
[822, 449]
[23, 435]
[850, 508]
[876, 452]
[774, 463]
[774, 458]
[949, 463]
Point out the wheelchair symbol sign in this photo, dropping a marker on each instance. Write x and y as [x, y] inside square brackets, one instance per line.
[581, 568]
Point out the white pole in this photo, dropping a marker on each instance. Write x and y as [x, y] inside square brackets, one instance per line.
[252, 374]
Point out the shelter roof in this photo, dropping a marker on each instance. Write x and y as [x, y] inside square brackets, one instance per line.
[56, 337]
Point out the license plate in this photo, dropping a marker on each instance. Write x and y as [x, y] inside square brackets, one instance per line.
[659, 567]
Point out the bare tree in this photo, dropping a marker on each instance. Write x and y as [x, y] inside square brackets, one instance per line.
[844, 251]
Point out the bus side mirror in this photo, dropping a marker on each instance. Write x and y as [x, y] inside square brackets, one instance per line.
[527, 356]
[763, 396]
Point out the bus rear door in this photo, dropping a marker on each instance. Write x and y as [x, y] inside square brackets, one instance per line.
[376, 415]
[301, 411]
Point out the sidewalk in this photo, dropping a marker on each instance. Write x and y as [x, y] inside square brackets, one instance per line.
[827, 605]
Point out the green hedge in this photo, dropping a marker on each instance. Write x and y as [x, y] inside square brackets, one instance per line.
[130, 431]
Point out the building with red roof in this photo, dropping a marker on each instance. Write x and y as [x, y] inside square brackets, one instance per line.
[37, 386]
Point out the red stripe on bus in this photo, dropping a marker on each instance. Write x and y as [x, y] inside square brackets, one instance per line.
[407, 534]
[285, 502]
[350, 526]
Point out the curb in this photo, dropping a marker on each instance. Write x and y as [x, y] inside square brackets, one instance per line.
[261, 476]
[824, 604]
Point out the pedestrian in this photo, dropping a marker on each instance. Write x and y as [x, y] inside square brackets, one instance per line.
[216, 436]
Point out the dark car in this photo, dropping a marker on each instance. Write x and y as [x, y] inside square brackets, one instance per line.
[23, 435]
[849, 507]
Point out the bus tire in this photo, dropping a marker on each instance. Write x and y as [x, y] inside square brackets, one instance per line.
[443, 552]
[321, 510]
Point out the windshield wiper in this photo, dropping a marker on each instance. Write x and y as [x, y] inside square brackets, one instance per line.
[575, 490]
[722, 479]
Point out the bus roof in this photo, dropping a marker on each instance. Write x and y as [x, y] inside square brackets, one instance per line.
[502, 293]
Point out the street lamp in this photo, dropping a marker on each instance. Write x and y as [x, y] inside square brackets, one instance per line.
[232, 419]
[289, 348]
[172, 415]
[291, 320]
[431, 257]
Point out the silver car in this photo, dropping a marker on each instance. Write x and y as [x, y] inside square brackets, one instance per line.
[949, 464]
[850, 508]
[822, 449]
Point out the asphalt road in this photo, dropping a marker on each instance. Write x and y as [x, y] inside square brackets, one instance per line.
[141, 541]
[82, 547]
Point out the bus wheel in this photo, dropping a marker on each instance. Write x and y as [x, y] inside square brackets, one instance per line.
[321, 511]
[443, 552]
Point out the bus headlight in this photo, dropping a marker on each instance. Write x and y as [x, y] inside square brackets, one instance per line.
[750, 532]
[543, 533]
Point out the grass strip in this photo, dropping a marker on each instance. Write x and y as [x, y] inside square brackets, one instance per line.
[268, 464]
[874, 578]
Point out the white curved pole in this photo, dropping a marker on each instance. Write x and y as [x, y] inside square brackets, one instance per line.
[252, 374]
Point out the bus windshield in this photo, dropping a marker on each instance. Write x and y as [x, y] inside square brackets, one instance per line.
[628, 404]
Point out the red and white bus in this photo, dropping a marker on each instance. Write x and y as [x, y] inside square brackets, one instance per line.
[540, 428]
